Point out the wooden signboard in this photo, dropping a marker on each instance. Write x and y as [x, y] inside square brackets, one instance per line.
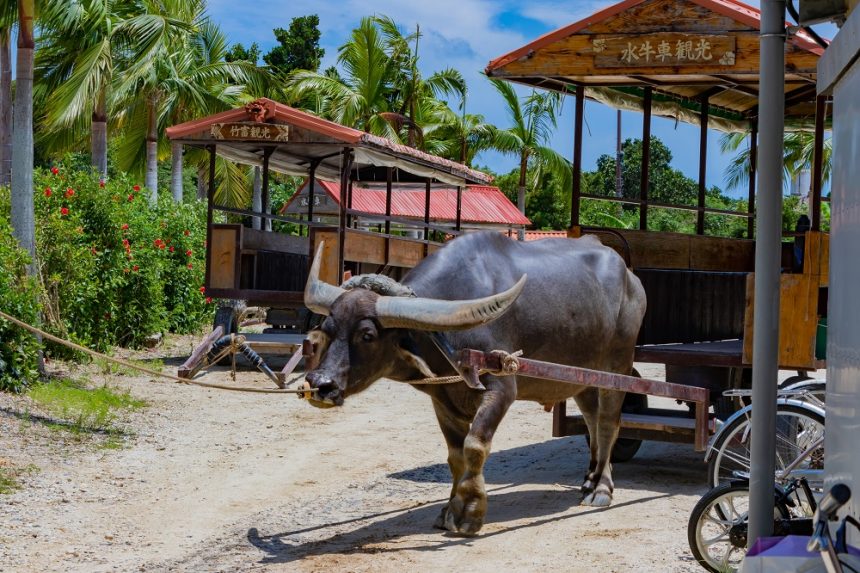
[245, 131]
[663, 49]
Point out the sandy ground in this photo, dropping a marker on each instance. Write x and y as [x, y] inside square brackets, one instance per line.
[218, 481]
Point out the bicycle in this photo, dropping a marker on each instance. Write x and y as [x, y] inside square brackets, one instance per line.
[835, 555]
[799, 437]
[717, 528]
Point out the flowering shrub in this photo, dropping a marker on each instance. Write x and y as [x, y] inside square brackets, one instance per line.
[113, 269]
[18, 349]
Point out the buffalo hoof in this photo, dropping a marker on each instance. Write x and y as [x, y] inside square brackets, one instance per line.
[464, 514]
[587, 487]
[441, 520]
[465, 528]
[598, 499]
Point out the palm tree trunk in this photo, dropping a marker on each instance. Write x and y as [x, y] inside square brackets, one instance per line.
[5, 106]
[257, 197]
[98, 144]
[202, 191]
[151, 178]
[176, 171]
[22, 137]
[521, 193]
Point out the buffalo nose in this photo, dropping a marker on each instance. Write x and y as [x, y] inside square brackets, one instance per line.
[326, 388]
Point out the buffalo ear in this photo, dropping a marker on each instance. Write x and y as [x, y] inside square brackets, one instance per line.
[416, 362]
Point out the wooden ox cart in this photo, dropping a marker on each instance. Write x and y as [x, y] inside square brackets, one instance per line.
[265, 268]
[694, 61]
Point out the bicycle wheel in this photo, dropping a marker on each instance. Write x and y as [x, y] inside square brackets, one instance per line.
[717, 529]
[810, 391]
[797, 428]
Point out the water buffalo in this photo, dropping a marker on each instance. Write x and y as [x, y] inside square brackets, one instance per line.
[579, 305]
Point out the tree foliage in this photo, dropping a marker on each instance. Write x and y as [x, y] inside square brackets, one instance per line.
[298, 47]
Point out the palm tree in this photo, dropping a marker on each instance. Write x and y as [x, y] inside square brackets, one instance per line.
[533, 120]
[188, 77]
[7, 20]
[76, 65]
[22, 137]
[798, 155]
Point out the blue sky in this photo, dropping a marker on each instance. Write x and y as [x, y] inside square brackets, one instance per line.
[466, 35]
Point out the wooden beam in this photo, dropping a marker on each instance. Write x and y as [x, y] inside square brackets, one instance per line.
[751, 196]
[312, 177]
[576, 190]
[346, 167]
[818, 161]
[267, 223]
[426, 215]
[646, 160]
[389, 176]
[210, 199]
[703, 160]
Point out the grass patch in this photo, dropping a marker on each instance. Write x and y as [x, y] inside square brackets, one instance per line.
[10, 475]
[112, 368]
[81, 409]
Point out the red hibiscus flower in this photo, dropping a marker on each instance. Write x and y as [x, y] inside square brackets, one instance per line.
[124, 227]
[203, 289]
[54, 170]
[188, 253]
[70, 192]
[208, 300]
[135, 268]
[136, 187]
[172, 249]
[64, 211]
[186, 232]
[48, 192]
[190, 265]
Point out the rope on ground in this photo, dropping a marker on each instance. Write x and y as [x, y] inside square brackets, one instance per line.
[134, 366]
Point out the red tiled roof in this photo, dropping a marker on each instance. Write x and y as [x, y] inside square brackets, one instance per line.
[480, 203]
[730, 8]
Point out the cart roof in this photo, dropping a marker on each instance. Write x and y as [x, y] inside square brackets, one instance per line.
[481, 204]
[295, 139]
[683, 49]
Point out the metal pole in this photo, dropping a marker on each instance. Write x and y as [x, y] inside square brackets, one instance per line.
[267, 208]
[312, 179]
[646, 160]
[345, 167]
[767, 260]
[576, 192]
[753, 161]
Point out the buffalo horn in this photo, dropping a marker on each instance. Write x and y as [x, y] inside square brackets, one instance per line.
[434, 314]
[319, 295]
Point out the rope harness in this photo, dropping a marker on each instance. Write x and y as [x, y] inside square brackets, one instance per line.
[508, 360]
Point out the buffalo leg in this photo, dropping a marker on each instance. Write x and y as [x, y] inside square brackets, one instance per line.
[468, 506]
[608, 422]
[455, 431]
[588, 403]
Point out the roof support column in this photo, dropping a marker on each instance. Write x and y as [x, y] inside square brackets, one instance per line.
[459, 207]
[818, 161]
[389, 175]
[312, 181]
[426, 215]
[267, 208]
[576, 190]
[703, 164]
[345, 168]
[210, 198]
[753, 160]
[646, 160]
[767, 260]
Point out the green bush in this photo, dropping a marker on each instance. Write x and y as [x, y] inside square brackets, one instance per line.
[18, 296]
[114, 269]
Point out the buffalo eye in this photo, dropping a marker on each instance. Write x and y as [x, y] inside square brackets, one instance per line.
[367, 331]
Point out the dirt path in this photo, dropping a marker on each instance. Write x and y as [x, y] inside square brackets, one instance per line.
[219, 481]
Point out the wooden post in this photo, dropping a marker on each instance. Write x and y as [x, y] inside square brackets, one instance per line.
[818, 161]
[389, 175]
[753, 160]
[346, 167]
[703, 160]
[459, 207]
[646, 160]
[267, 208]
[349, 201]
[576, 191]
[312, 178]
[426, 216]
[210, 198]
